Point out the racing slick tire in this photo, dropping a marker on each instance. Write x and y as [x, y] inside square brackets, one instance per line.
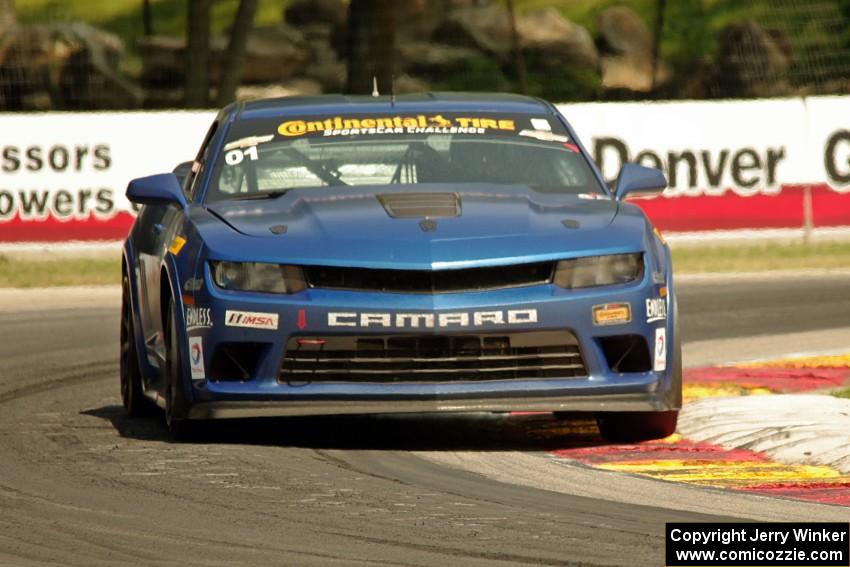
[631, 426]
[132, 395]
[176, 404]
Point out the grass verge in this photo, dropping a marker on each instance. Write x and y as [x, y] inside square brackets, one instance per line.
[18, 272]
[761, 257]
[842, 393]
[59, 272]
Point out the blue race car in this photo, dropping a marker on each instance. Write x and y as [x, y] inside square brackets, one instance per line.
[426, 253]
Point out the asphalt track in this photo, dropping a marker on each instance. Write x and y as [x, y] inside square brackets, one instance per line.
[82, 484]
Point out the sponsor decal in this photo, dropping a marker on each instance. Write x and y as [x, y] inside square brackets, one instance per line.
[541, 124]
[432, 320]
[593, 196]
[660, 363]
[251, 319]
[193, 284]
[196, 358]
[544, 136]
[411, 124]
[176, 245]
[612, 314]
[656, 309]
[248, 142]
[198, 318]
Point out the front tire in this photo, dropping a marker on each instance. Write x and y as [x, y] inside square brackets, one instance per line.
[132, 394]
[176, 404]
[629, 427]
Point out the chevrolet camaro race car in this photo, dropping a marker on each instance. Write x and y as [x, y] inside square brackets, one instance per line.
[425, 253]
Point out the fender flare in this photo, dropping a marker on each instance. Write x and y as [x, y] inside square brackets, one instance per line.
[169, 267]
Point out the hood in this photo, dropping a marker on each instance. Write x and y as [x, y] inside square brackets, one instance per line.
[437, 227]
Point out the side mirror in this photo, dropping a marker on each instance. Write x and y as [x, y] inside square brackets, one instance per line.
[182, 171]
[637, 180]
[162, 189]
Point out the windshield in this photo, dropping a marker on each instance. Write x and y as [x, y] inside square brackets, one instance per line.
[264, 158]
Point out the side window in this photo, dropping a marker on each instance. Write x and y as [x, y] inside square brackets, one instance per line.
[191, 185]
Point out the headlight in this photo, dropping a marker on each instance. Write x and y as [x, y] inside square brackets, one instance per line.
[256, 276]
[599, 270]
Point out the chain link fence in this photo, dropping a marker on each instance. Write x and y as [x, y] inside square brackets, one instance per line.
[126, 54]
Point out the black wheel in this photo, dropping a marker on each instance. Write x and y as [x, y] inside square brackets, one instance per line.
[631, 426]
[132, 396]
[176, 405]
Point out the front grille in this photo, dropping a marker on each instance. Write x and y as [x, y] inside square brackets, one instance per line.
[458, 358]
[430, 281]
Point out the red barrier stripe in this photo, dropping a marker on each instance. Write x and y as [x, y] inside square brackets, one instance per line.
[54, 230]
[732, 211]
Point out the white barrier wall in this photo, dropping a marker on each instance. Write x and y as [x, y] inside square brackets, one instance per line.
[75, 166]
[731, 164]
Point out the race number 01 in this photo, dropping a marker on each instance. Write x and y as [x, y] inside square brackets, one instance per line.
[235, 157]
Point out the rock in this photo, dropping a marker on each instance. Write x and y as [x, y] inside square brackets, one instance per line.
[306, 12]
[406, 84]
[416, 20]
[555, 41]
[428, 59]
[625, 45]
[323, 63]
[73, 66]
[754, 61]
[621, 31]
[91, 79]
[7, 15]
[295, 87]
[273, 53]
[486, 28]
[331, 14]
[624, 72]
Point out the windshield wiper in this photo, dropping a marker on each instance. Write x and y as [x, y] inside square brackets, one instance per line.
[262, 195]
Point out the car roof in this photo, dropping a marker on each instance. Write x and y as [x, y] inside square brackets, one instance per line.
[364, 104]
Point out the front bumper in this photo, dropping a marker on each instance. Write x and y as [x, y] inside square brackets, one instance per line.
[266, 393]
[384, 405]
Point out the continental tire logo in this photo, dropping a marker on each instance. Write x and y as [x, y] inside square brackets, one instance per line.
[390, 124]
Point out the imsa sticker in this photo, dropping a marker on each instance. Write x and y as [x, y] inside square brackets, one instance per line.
[196, 358]
[660, 363]
[251, 320]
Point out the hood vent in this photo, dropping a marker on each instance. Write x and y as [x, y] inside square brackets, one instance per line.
[420, 205]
